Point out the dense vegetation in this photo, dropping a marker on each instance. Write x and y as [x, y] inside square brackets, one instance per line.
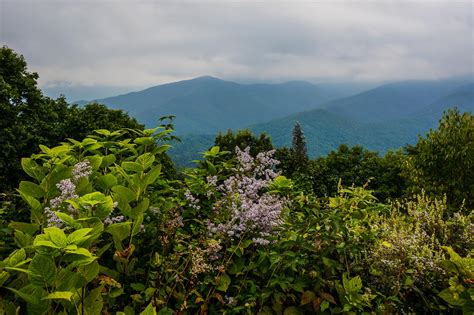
[106, 225]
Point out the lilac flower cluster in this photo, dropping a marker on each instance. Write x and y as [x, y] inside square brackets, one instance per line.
[67, 189]
[116, 219]
[250, 210]
[193, 201]
[81, 170]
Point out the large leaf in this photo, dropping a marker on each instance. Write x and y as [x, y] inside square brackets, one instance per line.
[31, 189]
[57, 236]
[42, 270]
[107, 181]
[78, 236]
[59, 295]
[149, 310]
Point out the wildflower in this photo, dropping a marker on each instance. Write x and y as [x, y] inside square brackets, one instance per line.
[81, 170]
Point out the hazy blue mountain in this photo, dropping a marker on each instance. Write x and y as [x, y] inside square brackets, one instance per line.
[462, 98]
[401, 100]
[206, 105]
[325, 130]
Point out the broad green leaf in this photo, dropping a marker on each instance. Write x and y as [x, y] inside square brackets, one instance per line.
[42, 270]
[33, 169]
[35, 205]
[57, 236]
[78, 236]
[124, 193]
[27, 297]
[93, 302]
[132, 167]
[89, 272]
[149, 310]
[95, 160]
[145, 160]
[27, 228]
[59, 295]
[153, 175]
[107, 181]
[68, 220]
[308, 297]
[32, 189]
[223, 282]
[16, 257]
[119, 230]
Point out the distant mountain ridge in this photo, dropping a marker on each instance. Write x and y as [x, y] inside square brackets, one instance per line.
[351, 121]
[207, 104]
[386, 117]
[400, 100]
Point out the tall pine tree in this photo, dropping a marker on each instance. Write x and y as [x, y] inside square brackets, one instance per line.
[299, 152]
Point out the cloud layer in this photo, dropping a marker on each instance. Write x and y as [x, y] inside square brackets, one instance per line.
[143, 43]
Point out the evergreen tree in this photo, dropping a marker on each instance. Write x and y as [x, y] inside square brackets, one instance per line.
[299, 152]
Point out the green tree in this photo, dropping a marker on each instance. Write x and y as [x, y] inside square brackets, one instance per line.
[299, 152]
[242, 139]
[442, 162]
[358, 166]
[29, 118]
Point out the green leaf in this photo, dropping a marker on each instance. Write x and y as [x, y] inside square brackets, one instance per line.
[145, 160]
[153, 175]
[132, 167]
[68, 220]
[95, 160]
[27, 228]
[16, 257]
[32, 189]
[223, 282]
[33, 169]
[93, 302]
[138, 286]
[59, 295]
[78, 236]
[42, 270]
[124, 193]
[119, 230]
[35, 205]
[57, 236]
[107, 181]
[27, 297]
[149, 310]
[89, 272]
[308, 297]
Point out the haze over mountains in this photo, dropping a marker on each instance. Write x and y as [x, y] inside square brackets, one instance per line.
[385, 117]
[208, 105]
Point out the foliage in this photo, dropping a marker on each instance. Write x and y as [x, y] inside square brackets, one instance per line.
[298, 149]
[443, 161]
[243, 139]
[357, 166]
[109, 233]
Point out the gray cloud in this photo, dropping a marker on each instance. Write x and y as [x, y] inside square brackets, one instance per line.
[143, 43]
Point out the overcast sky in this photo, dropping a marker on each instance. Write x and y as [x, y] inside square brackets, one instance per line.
[136, 44]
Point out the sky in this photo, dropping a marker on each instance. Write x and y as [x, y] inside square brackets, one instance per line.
[105, 46]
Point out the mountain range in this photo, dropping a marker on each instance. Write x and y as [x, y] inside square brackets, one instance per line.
[207, 105]
[385, 117]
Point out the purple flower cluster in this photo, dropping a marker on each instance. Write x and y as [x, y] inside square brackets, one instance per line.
[67, 189]
[193, 201]
[250, 209]
[111, 220]
[81, 170]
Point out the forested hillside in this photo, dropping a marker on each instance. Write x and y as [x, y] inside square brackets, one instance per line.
[208, 105]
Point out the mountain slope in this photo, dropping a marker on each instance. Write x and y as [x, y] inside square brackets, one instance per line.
[207, 104]
[401, 100]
